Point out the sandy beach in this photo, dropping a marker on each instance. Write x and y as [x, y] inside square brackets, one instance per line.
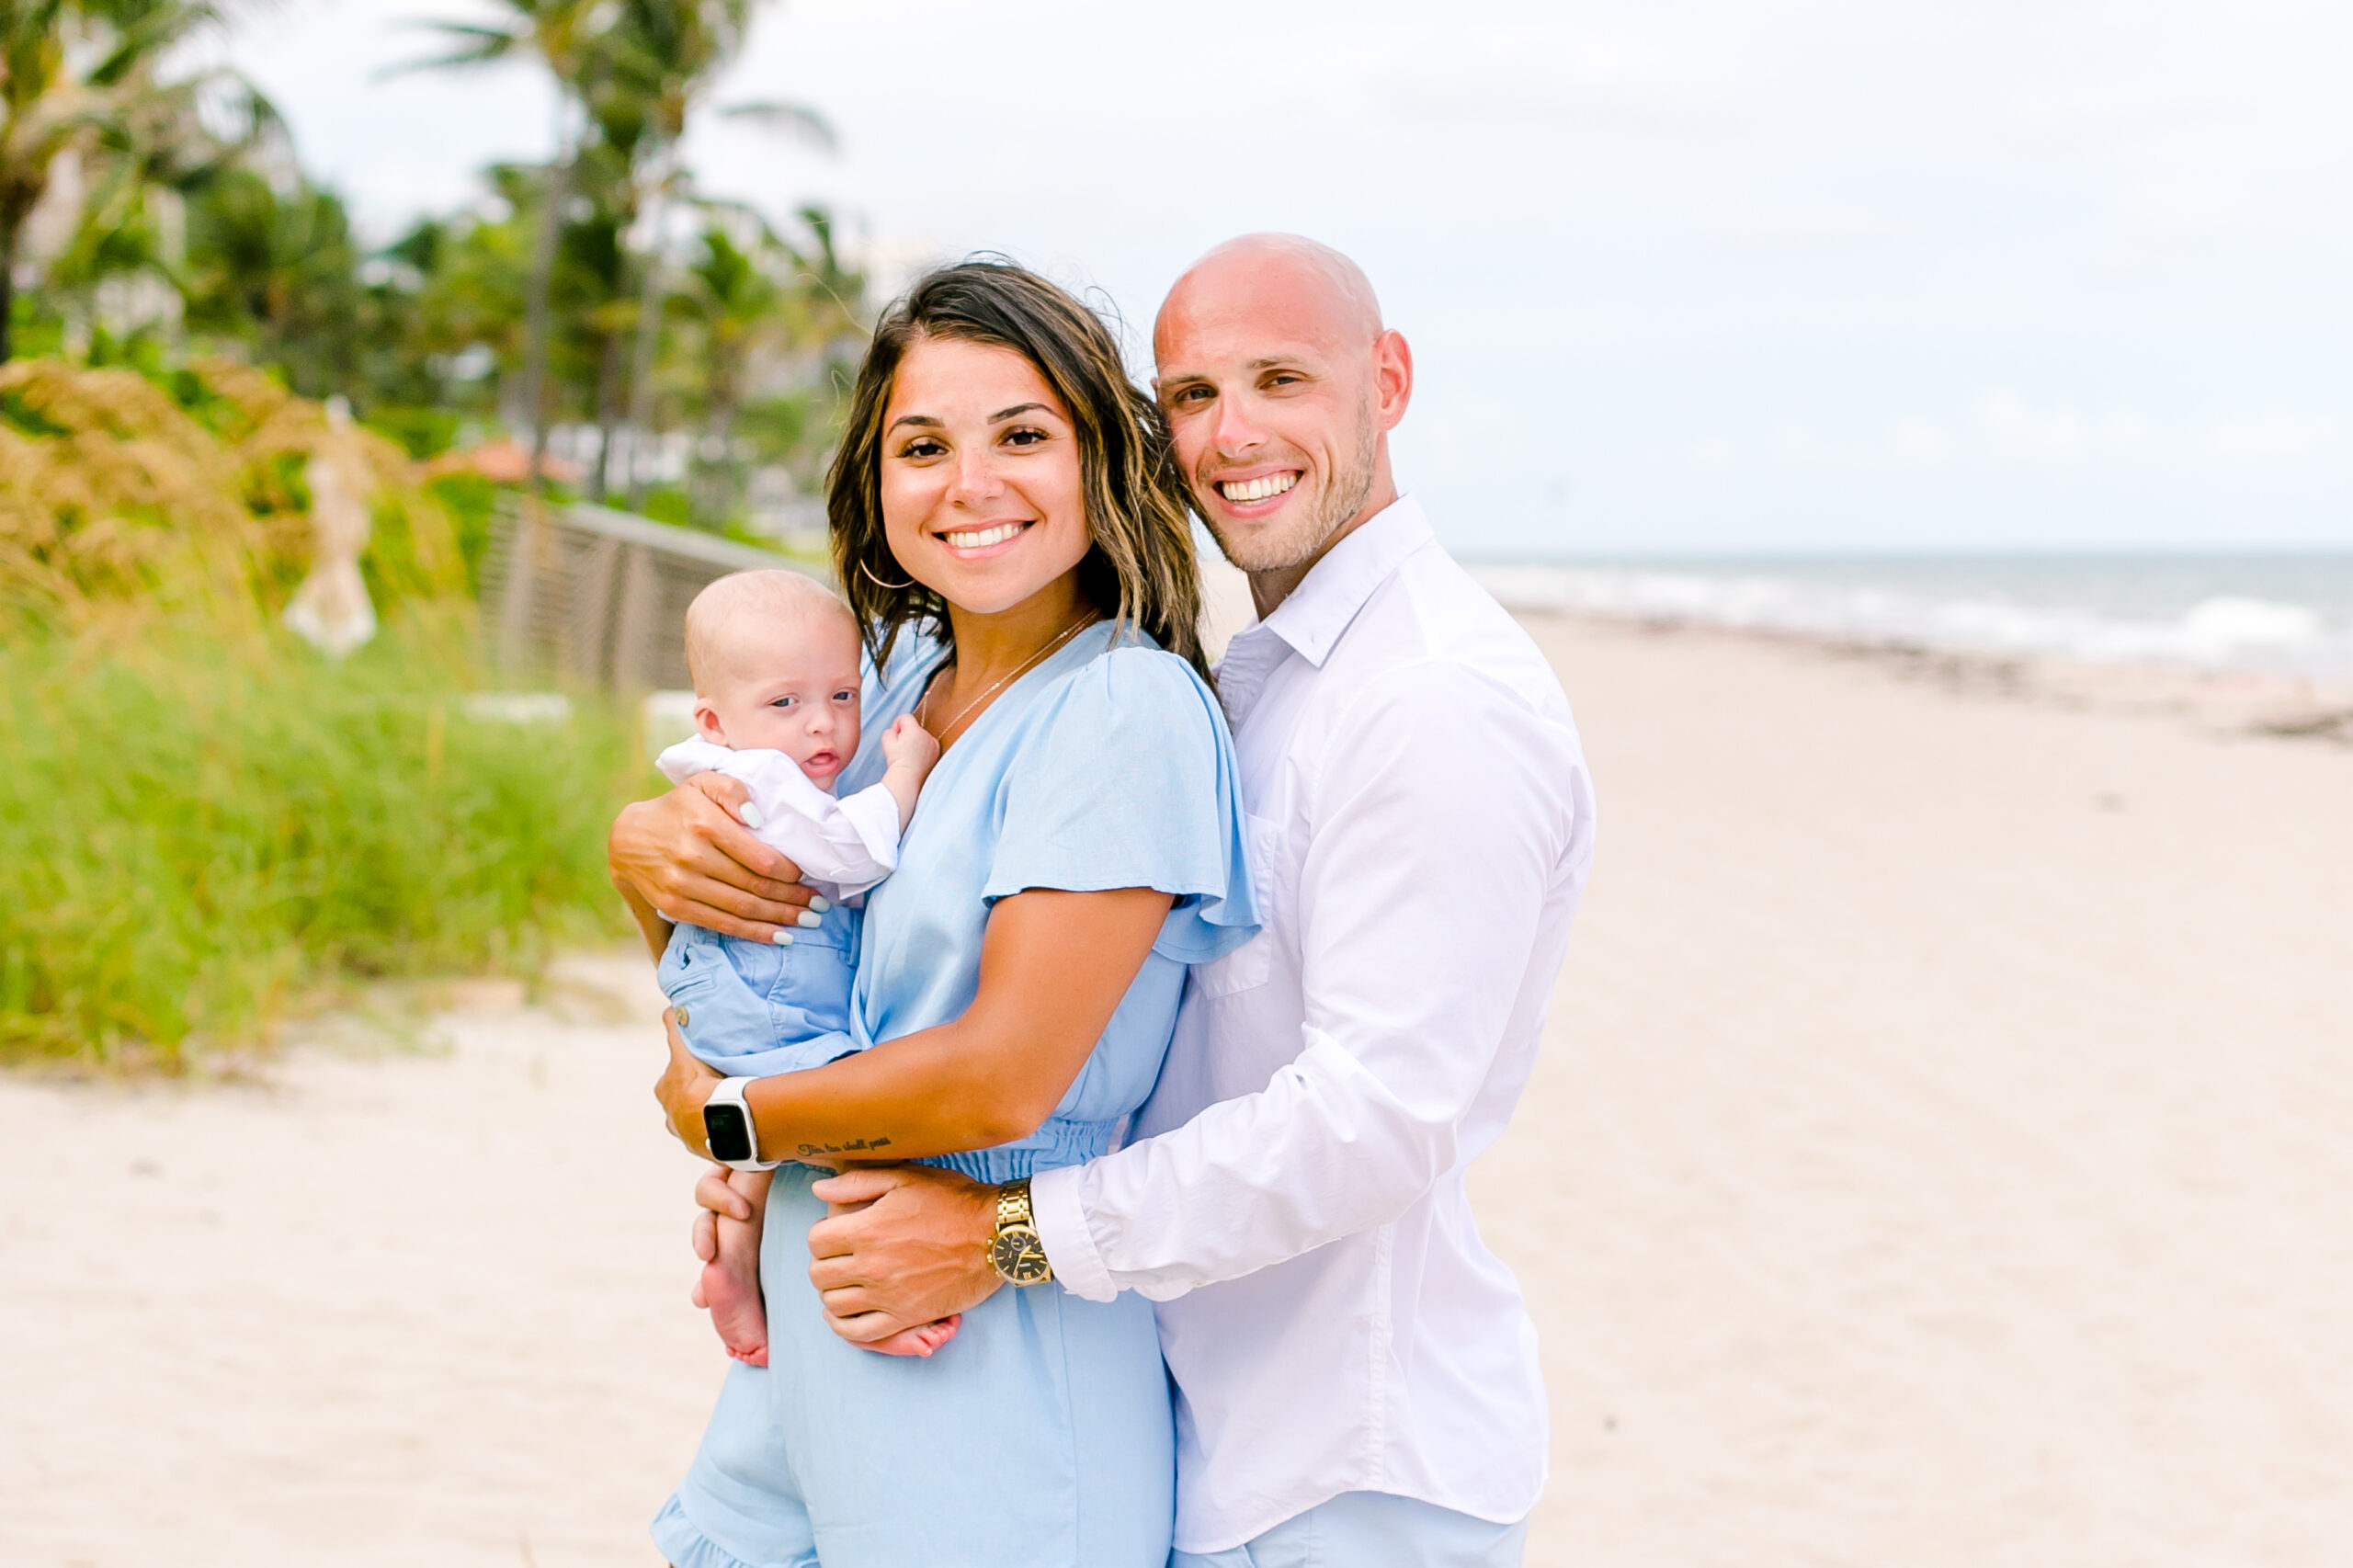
[1939, 1159]
[1942, 1158]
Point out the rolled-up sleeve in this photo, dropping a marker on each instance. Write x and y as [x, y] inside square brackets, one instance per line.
[1443, 823]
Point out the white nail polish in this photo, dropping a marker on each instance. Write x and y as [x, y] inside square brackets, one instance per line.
[782, 938]
[752, 817]
[809, 919]
[820, 903]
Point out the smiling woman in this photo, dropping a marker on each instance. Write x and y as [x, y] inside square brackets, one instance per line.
[1006, 496]
[949, 440]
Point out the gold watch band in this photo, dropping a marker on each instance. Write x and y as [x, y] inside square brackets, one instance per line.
[1014, 1250]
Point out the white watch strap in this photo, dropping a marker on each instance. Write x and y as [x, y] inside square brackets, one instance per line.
[731, 1092]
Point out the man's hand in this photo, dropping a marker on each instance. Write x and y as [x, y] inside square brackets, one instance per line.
[688, 856]
[900, 1246]
[683, 1088]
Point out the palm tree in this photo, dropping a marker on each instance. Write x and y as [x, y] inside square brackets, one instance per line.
[569, 37]
[828, 294]
[780, 408]
[81, 85]
[280, 269]
[733, 299]
[665, 56]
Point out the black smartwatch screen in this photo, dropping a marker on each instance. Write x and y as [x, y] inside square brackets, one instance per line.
[729, 1132]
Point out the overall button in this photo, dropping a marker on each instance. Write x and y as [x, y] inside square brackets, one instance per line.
[685, 1017]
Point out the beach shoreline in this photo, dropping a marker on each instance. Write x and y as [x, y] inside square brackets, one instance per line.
[2219, 701]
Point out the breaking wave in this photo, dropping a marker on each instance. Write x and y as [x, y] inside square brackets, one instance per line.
[1977, 611]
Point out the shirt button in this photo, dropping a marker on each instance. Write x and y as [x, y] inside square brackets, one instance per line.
[685, 1017]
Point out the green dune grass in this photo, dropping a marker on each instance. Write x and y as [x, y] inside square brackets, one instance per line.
[196, 832]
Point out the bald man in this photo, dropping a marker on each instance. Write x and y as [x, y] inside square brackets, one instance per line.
[1356, 1377]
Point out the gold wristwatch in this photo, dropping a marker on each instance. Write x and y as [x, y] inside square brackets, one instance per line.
[1014, 1250]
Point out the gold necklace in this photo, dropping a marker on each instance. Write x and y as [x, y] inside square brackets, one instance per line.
[1072, 629]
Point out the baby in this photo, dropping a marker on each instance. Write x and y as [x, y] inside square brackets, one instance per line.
[774, 660]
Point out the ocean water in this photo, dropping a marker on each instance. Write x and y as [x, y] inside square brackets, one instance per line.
[2274, 614]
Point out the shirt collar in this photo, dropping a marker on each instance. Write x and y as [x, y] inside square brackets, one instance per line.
[1314, 614]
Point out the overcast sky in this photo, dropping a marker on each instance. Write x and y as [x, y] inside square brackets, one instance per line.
[1681, 276]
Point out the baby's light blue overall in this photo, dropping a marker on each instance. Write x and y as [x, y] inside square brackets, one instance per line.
[1040, 1436]
[754, 1009]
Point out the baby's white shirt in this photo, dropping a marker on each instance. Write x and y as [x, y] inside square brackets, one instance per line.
[842, 845]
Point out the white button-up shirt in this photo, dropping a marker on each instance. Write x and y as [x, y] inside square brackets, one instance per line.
[1421, 826]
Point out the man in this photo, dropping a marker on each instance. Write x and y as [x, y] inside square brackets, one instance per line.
[1358, 1379]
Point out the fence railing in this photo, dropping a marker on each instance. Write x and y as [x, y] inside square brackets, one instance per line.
[597, 596]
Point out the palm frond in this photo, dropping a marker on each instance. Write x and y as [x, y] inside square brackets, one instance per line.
[751, 217]
[475, 45]
[148, 32]
[794, 119]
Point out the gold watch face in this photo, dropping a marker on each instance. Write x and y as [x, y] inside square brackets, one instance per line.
[1020, 1257]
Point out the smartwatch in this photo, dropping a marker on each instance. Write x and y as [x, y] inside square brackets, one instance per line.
[727, 1127]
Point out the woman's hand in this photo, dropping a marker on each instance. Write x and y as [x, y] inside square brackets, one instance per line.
[687, 856]
[683, 1088]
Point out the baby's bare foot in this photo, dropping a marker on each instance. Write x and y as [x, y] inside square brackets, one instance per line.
[729, 1288]
[920, 1340]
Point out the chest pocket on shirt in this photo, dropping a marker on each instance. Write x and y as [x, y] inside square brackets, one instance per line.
[1250, 965]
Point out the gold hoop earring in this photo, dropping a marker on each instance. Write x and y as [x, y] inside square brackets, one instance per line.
[879, 583]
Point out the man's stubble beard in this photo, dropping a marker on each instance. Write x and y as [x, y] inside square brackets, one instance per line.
[1282, 550]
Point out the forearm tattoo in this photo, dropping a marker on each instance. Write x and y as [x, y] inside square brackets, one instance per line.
[855, 1146]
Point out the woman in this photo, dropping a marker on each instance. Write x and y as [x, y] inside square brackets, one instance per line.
[1005, 495]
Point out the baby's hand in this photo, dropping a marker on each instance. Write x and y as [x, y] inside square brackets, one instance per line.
[909, 745]
[910, 751]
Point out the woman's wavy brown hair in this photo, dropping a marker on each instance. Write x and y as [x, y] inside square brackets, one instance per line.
[1141, 568]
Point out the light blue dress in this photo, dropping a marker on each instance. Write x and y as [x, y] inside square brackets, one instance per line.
[1040, 1435]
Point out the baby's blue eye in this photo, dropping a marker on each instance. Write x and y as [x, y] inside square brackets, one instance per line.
[845, 696]
[785, 702]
